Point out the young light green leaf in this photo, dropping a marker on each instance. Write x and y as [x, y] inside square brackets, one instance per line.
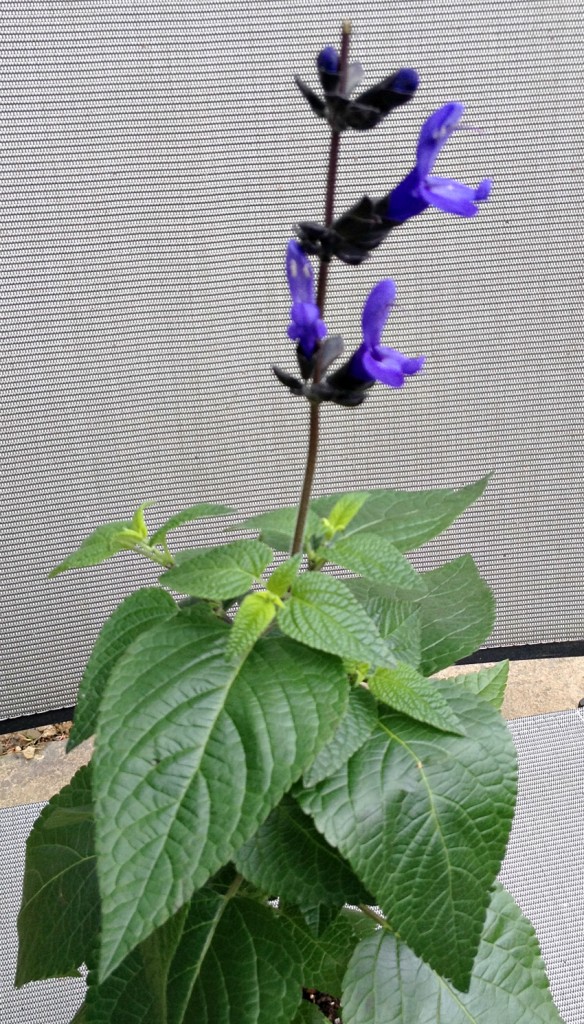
[282, 578]
[407, 518]
[377, 559]
[288, 858]
[60, 887]
[457, 614]
[189, 515]
[407, 691]
[398, 621]
[253, 617]
[198, 751]
[277, 527]
[139, 521]
[387, 984]
[140, 611]
[355, 727]
[322, 613]
[345, 509]
[423, 817]
[103, 543]
[219, 573]
[489, 683]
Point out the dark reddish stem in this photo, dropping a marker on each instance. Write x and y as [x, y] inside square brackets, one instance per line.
[329, 204]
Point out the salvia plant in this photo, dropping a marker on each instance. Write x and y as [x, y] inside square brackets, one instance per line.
[287, 812]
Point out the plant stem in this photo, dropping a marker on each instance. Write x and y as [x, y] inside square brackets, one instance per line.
[314, 425]
[369, 912]
[160, 557]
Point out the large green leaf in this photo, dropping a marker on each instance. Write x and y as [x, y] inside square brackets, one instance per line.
[288, 858]
[219, 573]
[457, 614]
[377, 559]
[139, 612]
[59, 916]
[407, 518]
[276, 528]
[192, 754]
[189, 515]
[355, 727]
[387, 984]
[322, 613]
[423, 817]
[398, 621]
[105, 541]
[406, 690]
[325, 958]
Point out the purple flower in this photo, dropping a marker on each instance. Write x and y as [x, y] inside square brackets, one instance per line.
[372, 361]
[306, 327]
[420, 189]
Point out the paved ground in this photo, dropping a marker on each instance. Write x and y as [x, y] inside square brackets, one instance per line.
[535, 687]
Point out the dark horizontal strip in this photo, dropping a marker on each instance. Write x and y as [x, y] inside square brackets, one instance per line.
[25, 722]
[526, 652]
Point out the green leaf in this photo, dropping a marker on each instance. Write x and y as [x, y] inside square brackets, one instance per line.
[407, 691]
[194, 753]
[140, 611]
[277, 527]
[387, 984]
[408, 518]
[308, 1013]
[325, 957]
[105, 541]
[59, 916]
[253, 617]
[423, 818]
[489, 683]
[288, 858]
[219, 573]
[189, 515]
[376, 559]
[282, 578]
[345, 509]
[397, 621]
[249, 970]
[457, 614]
[355, 727]
[139, 521]
[322, 613]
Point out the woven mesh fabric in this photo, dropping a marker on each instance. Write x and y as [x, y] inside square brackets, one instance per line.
[153, 159]
[542, 870]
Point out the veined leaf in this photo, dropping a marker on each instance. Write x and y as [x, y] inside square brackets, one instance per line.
[288, 858]
[139, 612]
[488, 683]
[252, 619]
[322, 613]
[189, 515]
[377, 559]
[282, 578]
[398, 621]
[59, 917]
[387, 984]
[105, 541]
[219, 573]
[423, 818]
[407, 518]
[325, 957]
[345, 509]
[457, 614]
[196, 751]
[407, 691]
[354, 728]
[276, 528]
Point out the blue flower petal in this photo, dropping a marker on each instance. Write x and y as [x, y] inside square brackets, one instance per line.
[299, 274]
[376, 311]
[435, 133]
[450, 196]
[329, 60]
[386, 371]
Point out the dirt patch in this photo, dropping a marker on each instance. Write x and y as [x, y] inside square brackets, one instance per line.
[29, 742]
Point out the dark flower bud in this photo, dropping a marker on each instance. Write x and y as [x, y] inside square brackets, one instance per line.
[351, 236]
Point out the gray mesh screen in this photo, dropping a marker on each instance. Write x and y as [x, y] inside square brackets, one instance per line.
[154, 157]
[542, 870]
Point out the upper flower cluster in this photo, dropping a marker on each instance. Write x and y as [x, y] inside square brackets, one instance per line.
[367, 109]
[362, 228]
